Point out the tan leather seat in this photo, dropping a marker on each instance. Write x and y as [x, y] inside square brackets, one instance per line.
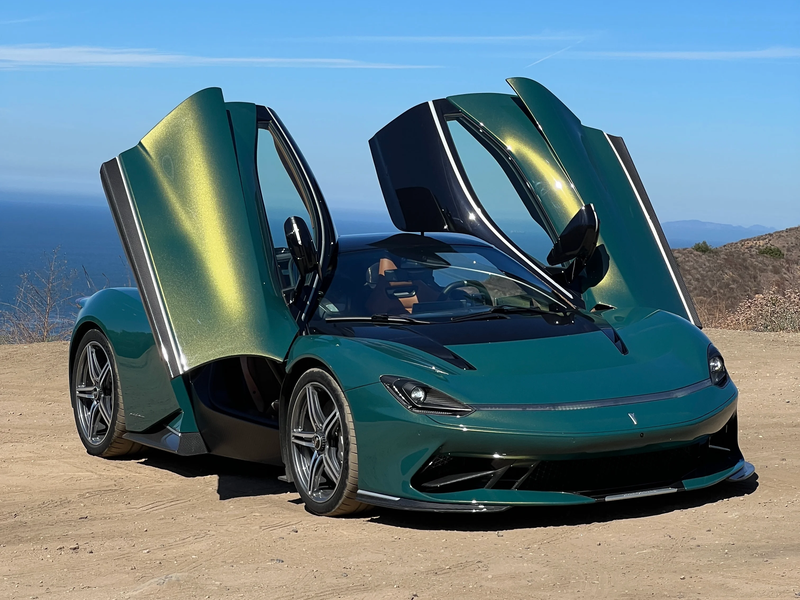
[395, 297]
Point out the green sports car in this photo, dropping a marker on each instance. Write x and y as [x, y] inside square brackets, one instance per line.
[501, 349]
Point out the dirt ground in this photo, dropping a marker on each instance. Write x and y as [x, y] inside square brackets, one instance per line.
[73, 526]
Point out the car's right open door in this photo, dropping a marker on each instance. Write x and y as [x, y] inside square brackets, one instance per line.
[513, 170]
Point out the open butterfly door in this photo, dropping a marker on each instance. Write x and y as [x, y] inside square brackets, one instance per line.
[187, 205]
[513, 170]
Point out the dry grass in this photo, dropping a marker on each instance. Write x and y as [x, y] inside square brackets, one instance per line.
[747, 284]
[767, 312]
[42, 311]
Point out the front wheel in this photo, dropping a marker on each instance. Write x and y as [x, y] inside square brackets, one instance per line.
[97, 398]
[322, 455]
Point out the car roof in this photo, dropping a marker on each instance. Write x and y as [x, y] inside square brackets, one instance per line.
[368, 241]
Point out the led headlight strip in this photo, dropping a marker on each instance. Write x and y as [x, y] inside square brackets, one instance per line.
[420, 398]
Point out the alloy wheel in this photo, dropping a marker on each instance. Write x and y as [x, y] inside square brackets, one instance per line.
[94, 393]
[317, 442]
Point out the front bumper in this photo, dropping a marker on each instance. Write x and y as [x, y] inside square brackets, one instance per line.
[490, 462]
[741, 471]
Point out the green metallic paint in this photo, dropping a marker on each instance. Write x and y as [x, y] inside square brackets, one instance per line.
[501, 117]
[666, 352]
[382, 423]
[203, 238]
[194, 186]
[245, 134]
[565, 434]
[639, 275]
[118, 313]
[359, 362]
[703, 482]
[187, 421]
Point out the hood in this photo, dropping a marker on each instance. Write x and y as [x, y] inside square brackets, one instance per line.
[664, 353]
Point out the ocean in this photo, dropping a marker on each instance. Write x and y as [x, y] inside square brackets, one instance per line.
[85, 237]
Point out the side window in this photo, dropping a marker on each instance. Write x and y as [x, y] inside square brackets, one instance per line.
[500, 192]
[281, 190]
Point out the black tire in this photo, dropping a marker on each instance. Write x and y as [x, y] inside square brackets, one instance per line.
[329, 443]
[97, 405]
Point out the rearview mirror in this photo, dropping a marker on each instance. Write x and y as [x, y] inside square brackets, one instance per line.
[301, 247]
[577, 242]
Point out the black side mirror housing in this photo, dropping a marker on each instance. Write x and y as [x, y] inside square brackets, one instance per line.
[577, 242]
[301, 247]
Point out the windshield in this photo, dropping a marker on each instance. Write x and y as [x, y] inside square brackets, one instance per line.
[429, 282]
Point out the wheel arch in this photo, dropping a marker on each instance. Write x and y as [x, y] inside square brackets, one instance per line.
[81, 329]
[294, 371]
[300, 366]
[119, 315]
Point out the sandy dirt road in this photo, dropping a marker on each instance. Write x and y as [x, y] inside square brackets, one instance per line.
[73, 526]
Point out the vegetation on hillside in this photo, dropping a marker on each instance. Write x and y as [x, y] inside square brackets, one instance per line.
[702, 247]
[772, 251]
[752, 284]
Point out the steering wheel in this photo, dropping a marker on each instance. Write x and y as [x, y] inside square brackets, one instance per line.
[451, 287]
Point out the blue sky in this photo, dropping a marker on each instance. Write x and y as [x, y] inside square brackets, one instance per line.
[706, 94]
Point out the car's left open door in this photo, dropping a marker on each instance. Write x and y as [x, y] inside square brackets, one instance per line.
[187, 205]
[513, 170]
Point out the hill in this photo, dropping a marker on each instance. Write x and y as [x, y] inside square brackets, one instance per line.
[750, 284]
[685, 234]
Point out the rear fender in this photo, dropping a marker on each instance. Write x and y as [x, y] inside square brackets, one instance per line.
[147, 391]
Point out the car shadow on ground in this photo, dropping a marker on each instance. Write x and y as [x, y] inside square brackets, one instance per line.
[552, 516]
[239, 479]
[235, 478]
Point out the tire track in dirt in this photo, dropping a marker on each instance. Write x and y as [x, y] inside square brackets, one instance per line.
[161, 505]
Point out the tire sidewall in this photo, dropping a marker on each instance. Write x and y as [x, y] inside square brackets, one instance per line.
[325, 379]
[95, 335]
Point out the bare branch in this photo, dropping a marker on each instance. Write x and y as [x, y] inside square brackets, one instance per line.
[36, 314]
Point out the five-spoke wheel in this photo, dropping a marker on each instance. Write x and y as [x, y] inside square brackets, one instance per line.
[94, 392]
[321, 453]
[96, 398]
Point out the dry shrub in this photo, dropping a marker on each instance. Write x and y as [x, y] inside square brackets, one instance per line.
[41, 311]
[773, 311]
[724, 281]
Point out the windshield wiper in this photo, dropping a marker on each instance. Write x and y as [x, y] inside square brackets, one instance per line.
[501, 311]
[380, 318]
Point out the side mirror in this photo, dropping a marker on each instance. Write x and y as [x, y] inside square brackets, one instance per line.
[577, 242]
[298, 238]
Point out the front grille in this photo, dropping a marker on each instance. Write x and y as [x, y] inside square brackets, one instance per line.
[595, 475]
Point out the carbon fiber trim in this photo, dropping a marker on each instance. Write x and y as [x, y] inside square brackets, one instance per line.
[169, 440]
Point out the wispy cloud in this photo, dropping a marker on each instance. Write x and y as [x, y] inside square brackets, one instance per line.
[536, 62]
[766, 53]
[27, 56]
[443, 39]
[21, 20]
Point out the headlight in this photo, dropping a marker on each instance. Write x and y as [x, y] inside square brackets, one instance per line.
[420, 398]
[716, 367]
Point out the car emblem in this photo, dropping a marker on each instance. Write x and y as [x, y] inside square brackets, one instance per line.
[633, 418]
